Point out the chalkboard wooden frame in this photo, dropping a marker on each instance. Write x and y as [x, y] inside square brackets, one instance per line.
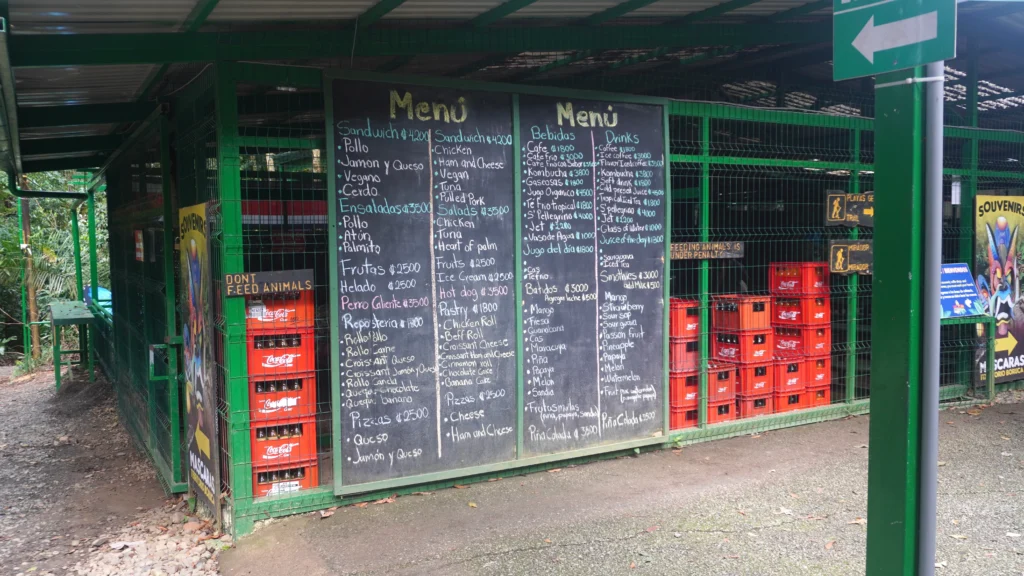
[514, 90]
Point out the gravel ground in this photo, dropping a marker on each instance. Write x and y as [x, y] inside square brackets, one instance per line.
[782, 503]
[77, 498]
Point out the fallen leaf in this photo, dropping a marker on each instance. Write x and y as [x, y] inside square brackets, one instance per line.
[472, 504]
[460, 486]
[942, 462]
[1007, 454]
[755, 435]
[830, 544]
[422, 493]
[494, 479]
[362, 505]
[1013, 534]
[1005, 437]
[940, 564]
[677, 452]
[862, 446]
[732, 557]
[326, 514]
[555, 470]
[332, 508]
[958, 536]
[974, 412]
[786, 511]
[741, 512]
[652, 529]
[547, 540]
[860, 521]
[632, 565]
[792, 495]
[387, 500]
[815, 518]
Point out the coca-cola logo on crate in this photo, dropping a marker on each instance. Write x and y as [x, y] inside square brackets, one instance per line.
[284, 360]
[270, 406]
[275, 452]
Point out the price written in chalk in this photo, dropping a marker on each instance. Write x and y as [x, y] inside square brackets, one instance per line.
[706, 250]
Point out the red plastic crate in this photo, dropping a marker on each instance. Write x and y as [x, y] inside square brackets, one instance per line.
[819, 371]
[787, 402]
[289, 310]
[282, 442]
[796, 278]
[748, 406]
[684, 318]
[284, 479]
[721, 411]
[755, 379]
[721, 383]
[790, 375]
[683, 390]
[275, 398]
[802, 311]
[306, 212]
[680, 418]
[683, 355]
[293, 352]
[734, 313]
[262, 212]
[819, 396]
[803, 340]
[743, 347]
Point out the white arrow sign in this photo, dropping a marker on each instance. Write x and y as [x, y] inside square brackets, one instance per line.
[872, 39]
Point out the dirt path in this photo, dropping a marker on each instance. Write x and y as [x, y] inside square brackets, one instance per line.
[781, 503]
[68, 473]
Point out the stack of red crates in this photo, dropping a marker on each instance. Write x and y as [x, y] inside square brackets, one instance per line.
[743, 337]
[282, 392]
[802, 330]
[683, 362]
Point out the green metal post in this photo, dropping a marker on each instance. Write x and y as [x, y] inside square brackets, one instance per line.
[26, 336]
[170, 301]
[235, 359]
[893, 465]
[852, 284]
[705, 279]
[76, 243]
[969, 184]
[56, 356]
[94, 277]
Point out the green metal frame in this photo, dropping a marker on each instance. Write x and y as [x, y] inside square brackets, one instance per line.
[246, 509]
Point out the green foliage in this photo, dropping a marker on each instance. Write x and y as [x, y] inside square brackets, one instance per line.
[52, 246]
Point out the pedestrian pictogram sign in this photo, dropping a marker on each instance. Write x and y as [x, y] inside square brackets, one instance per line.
[850, 210]
[874, 36]
[851, 257]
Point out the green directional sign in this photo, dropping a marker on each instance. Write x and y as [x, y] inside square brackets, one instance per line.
[875, 36]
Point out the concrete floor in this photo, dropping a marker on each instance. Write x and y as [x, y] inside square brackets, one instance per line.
[782, 503]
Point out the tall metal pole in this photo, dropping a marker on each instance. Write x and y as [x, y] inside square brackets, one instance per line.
[930, 316]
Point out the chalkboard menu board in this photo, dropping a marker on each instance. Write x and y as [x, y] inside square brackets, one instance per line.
[593, 243]
[426, 281]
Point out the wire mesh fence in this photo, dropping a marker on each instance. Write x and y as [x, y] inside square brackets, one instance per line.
[254, 152]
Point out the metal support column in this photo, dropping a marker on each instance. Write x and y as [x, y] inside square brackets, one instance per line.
[893, 469]
[236, 378]
[170, 301]
[705, 271]
[852, 285]
[94, 277]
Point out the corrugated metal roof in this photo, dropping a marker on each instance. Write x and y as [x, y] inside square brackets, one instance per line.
[444, 9]
[567, 9]
[93, 16]
[291, 10]
[78, 85]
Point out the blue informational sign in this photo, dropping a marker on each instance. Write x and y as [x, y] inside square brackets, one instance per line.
[959, 293]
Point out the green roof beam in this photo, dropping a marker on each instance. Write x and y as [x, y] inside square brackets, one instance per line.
[498, 12]
[30, 166]
[195, 19]
[377, 11]
[70, 145]
[616, 11]
[123, 49]
[49, 116]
